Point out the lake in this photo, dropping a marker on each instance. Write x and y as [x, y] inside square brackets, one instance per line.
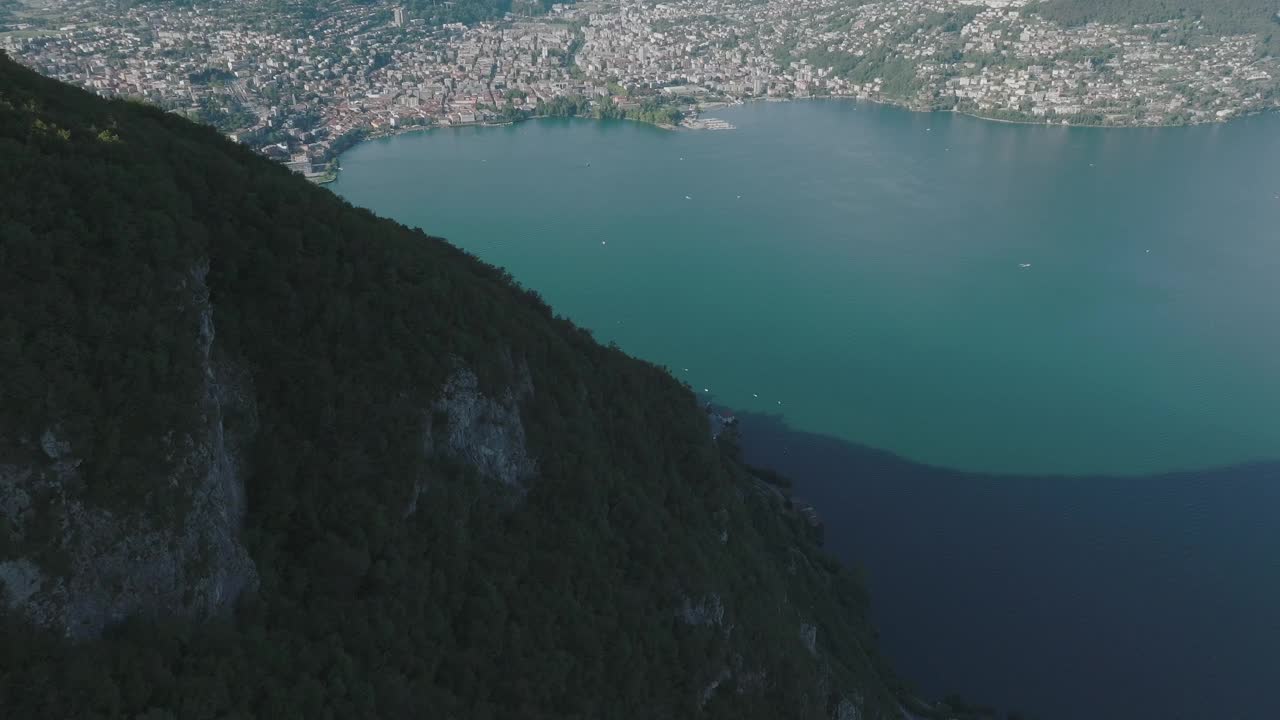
[1089, 598]
[1022, 361]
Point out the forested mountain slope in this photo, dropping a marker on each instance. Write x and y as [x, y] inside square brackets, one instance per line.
[263, 454]
[1218, 16]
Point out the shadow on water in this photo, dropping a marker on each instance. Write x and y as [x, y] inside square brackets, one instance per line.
[1079, 597]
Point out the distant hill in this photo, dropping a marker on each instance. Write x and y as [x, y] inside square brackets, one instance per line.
[1218, 16]
[264, 454]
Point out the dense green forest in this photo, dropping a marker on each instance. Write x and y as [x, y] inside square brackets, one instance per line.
[653, 109]
[897, 75]
[558, 599]
[1218, 16]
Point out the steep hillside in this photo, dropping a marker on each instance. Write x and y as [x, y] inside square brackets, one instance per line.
[265, 454]
[1217, 16]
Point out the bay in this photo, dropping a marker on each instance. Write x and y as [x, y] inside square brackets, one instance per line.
[860, 269]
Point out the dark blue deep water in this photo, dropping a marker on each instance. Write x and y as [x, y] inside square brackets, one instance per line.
[1065, 598]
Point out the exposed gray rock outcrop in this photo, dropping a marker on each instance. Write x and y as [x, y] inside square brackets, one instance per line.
[809, 636]
[78, 567]
[481, 431]
[708, 610]
[847, 710]
[751, 680]
[54, 448]
[20, 579]
[484, 432]
[709, 691]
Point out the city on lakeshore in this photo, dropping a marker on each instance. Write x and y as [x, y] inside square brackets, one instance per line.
[303, 81]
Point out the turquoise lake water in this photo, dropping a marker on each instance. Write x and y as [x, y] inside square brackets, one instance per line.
[859, 270]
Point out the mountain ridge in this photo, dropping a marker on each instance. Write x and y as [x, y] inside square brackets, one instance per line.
[347, 470]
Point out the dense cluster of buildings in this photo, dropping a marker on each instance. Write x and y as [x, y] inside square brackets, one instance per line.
[294, 92]
[1145, 74]
[982, 56]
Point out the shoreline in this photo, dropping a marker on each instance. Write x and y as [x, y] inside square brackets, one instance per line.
[978, 116]
[509, 123]
[846, 98]
[506, 123]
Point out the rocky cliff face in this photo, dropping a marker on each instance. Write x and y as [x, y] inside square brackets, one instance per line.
[77, 567]
[71, 565]
[484, 432]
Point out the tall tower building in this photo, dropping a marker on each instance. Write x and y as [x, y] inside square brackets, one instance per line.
[397, 17]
